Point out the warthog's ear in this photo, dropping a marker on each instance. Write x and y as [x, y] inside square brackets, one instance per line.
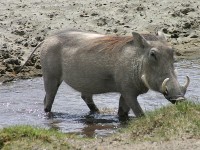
[161, 35]
[139, 40]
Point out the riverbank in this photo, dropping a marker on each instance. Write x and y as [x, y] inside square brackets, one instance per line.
[24, 24]
[172, 127]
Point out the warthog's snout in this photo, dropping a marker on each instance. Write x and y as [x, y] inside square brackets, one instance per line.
[174, 99]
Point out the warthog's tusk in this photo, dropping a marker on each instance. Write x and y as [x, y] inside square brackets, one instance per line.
[176, 72]
[143, 77]
[187, 83]
[164, 87]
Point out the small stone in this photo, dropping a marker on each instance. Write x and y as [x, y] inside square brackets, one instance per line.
[140, 8]
[25, 43]
[9, 68]
[187, 10]
[165, 30]
[19, 32]
[94, 14]
[193, 35]
[174, 35]
[6, 55]
[40, 38]
[15, 68]
[38, 66]
[101, 22]
[12, 61]
[34, 43]
[115, 30]
[4, 45]
[187, 25]
[2, 70]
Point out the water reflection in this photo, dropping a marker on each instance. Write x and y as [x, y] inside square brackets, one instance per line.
[92, 123]
[95, 123]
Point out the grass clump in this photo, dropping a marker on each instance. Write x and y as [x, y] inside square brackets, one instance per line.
[174, 121]
[27, 137]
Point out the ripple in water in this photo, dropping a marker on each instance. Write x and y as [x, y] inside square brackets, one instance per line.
[21, 102]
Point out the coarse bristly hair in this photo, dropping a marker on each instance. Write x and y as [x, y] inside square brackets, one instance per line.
[112, 42]
[109, 43]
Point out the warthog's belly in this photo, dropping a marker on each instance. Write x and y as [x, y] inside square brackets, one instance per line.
[87, 72]
[90, 83]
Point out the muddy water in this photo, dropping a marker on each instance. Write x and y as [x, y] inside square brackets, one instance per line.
[21, 102]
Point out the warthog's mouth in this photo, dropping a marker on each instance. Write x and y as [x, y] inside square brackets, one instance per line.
[177, 100]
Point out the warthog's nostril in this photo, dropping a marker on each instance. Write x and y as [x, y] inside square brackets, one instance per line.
[172, 101]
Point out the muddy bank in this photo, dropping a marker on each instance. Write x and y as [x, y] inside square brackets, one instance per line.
[24, 24]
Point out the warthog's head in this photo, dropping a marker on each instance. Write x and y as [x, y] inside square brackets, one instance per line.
[158, 72]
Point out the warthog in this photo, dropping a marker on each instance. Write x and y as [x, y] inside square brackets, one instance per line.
[94, 63]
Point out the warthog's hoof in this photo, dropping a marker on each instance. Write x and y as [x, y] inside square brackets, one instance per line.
[49, 114]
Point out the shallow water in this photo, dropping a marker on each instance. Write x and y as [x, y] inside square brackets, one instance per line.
[21, 102]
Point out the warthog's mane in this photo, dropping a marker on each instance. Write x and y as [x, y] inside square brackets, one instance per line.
[111, 42]
[117, 42]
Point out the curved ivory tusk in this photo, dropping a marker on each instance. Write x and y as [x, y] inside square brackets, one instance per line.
[176, 72]
[143, 77]
[187, 82]
[164, 87]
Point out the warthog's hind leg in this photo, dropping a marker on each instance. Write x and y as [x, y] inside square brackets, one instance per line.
[90, 103]
[51, 88]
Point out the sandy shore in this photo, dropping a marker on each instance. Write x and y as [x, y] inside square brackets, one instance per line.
[25, 23]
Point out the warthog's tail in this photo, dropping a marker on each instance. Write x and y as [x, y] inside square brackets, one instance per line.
[19, 70]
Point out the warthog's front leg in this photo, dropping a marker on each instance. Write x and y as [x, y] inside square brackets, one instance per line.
[131, 101]
[90, 103]
[123, 109]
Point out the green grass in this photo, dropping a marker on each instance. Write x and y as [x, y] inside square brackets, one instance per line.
[170, 122]
[26, 137]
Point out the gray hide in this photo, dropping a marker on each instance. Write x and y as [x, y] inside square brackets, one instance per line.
[94, 63]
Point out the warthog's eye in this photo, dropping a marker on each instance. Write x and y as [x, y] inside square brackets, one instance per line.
[153, 54]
